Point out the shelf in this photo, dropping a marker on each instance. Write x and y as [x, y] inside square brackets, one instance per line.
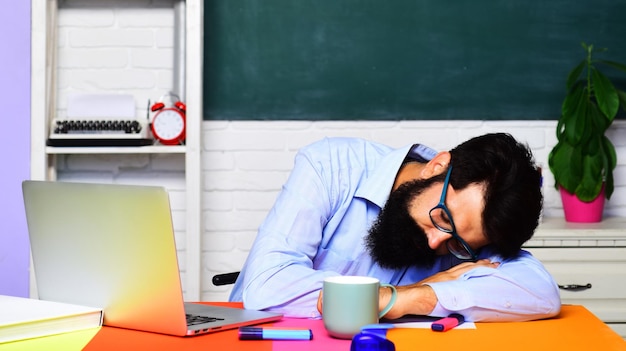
[610, 227]
[50, 150]
[556, 232]
[188, 30]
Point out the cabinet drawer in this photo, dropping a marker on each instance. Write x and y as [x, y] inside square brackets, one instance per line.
[603, 268]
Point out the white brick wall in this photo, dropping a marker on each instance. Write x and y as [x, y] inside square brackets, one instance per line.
[128, 49]
[115, 47]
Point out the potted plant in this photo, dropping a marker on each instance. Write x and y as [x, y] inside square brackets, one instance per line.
[583, 159]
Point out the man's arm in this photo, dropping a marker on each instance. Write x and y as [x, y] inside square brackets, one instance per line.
[420, 298]
[515, 290]
[279, 273]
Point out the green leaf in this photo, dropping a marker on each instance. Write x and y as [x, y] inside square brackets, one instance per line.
[599, 123]
[622, 98]
[573, 114]
[608, 185]
[611, 163]
[573, 75]
[557, 161]
[573, 174]
[565, 163]
[614, 64]
[591, 181]
[609, 151]
[560, 130]
[605, 94]
[588, 191]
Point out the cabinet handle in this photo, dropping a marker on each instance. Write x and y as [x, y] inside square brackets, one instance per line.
[575, 287]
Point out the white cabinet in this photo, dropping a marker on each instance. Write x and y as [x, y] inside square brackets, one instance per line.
[588, 262]
[43, 73]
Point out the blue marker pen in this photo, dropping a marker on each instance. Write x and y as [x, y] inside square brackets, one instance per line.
[258, 333]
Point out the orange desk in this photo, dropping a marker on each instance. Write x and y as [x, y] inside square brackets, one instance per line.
[574, 329]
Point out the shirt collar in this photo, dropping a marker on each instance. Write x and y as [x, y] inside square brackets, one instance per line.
[376, 188]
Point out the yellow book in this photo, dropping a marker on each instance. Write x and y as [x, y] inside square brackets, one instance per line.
[23, 318]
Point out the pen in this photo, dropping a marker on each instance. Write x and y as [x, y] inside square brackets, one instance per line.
[258, 333]
[447, 323]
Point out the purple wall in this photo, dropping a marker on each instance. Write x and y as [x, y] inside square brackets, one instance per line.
[14, 144]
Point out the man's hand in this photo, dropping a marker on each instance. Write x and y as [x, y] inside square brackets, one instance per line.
[455, 272]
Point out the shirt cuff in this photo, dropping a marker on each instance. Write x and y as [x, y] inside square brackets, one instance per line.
[449, 299]
[452, 296]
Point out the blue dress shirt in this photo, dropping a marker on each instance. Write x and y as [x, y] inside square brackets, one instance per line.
[317, 228]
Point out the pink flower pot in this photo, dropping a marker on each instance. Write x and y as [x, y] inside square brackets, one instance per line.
[578, 211]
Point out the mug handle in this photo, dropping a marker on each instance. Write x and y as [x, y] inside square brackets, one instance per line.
[392, 301]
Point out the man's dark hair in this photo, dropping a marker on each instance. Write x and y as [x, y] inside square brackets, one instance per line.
[513, 198]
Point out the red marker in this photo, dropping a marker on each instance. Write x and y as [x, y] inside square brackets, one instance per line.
[447, 323]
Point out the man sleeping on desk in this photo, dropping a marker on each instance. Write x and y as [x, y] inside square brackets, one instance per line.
[445, 227]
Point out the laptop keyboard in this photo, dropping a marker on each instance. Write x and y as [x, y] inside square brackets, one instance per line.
[195, 319]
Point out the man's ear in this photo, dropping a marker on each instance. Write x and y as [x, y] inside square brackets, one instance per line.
[437, 165]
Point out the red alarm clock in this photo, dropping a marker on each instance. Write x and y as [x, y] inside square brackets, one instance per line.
[168, 123]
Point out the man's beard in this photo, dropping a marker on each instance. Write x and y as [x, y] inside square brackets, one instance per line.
[395, 240]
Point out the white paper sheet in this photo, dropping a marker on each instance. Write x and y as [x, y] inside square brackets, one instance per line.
[100, 106]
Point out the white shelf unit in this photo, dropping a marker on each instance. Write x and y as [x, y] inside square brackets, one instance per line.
[43, 27]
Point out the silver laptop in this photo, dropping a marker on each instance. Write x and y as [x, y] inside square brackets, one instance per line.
[112, 246]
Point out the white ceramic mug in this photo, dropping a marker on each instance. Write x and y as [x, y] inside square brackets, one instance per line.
[351, 302]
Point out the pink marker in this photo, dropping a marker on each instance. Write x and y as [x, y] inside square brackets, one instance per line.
[447, 323]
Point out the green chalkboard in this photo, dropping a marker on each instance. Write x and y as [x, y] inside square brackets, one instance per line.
[399, 59]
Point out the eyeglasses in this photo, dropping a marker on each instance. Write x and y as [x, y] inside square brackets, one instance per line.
[442, 220]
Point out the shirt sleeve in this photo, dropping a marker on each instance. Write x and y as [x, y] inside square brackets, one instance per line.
[279, 274]
[519, 289]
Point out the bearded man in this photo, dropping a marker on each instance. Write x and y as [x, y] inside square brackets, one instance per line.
[446, 228]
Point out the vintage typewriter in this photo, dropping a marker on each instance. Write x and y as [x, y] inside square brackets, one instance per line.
[100, 120]
[66, 132]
